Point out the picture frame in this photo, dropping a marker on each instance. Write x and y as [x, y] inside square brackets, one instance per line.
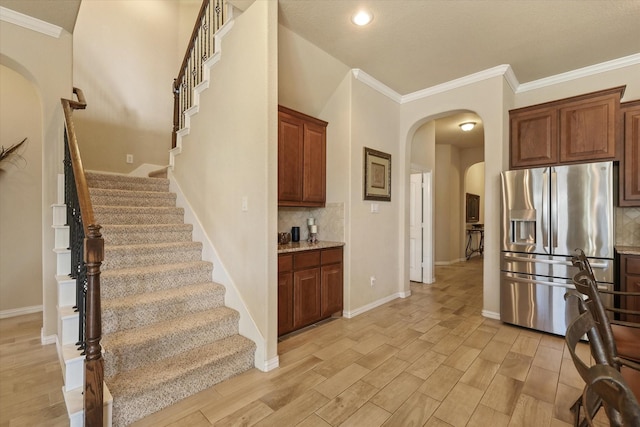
[377, 175]
[473, 208]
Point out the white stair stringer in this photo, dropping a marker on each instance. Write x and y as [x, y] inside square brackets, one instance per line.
[203, 85]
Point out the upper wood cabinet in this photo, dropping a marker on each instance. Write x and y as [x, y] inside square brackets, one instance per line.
[302, 145]
[630, 163]
[579, 129]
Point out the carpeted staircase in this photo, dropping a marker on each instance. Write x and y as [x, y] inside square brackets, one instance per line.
[166, 333]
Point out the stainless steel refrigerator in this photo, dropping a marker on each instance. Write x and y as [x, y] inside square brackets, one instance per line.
[548, 213]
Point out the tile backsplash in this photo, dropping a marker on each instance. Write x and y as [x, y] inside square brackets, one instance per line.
[330, 221]
[628, 226]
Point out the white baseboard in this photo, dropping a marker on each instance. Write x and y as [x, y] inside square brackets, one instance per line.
[491, 314]
[13, 312]
[270, 364]
[370, 306]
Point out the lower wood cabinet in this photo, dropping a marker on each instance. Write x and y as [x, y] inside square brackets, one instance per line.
[309, 287]
[630, 282]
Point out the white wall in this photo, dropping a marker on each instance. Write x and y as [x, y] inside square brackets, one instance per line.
[230, 153]
[20, 196]
[46, 62]
[126, 55]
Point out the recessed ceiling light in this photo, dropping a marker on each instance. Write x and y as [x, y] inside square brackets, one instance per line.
[362, 18]
[467, 126]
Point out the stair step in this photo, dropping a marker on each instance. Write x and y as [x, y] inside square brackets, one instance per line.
[138, 215]
[126, 182]
[131, 281]
[155, 386]
[142, 310]
[74, 401]
[135, 234]
[126, 256]
[132, 349]
[113, 197]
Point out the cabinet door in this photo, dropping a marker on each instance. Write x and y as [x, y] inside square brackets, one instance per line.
[306, 297]
[588, 129]
[285, 303]
[314, 170]
[290, 157]
[331, 289]
[631, 163]
[630, 282]
[534, 137]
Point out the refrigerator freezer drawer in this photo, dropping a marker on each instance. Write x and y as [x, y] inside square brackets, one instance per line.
[535, 302]
[554, 266]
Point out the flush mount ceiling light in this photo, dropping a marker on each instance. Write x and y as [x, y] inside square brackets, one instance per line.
[362, 18]
[467, 126]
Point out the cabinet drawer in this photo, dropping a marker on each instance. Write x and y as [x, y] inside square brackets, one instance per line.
[331, 256]
[306, 259]
[632, 266]
[285, 263]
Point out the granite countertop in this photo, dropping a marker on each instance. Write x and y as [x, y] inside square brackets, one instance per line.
[306, 246]
[628, 250]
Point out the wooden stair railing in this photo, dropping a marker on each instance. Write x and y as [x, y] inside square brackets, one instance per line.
[85, 235]
[201, 47]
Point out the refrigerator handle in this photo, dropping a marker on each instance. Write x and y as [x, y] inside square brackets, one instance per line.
[545, 211]
[554, 208]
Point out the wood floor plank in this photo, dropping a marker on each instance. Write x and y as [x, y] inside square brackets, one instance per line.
[368, 415]
[347, 403]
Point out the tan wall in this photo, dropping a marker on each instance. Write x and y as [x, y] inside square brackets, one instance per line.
[487, 99]
[423, 147]
[20, 195]
[46, 62]
[126, 55]
[230, 153]
[373, 237]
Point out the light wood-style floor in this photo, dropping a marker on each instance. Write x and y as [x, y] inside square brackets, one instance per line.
[430, 359]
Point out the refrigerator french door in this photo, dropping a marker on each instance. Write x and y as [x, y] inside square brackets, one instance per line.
[548, 213]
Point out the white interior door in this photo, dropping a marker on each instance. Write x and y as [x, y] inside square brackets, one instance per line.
[415, 228]
[421, 228]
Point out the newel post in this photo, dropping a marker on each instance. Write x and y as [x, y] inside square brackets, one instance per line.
[94, 374]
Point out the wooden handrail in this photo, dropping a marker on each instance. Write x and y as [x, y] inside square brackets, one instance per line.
[93, 255]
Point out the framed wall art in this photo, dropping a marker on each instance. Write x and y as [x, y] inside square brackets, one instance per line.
[473, 208]
[377, 175]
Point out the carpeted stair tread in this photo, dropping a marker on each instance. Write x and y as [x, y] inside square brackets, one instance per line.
[146, 215]
[125, 256]
[134, 348]
[136, 280]
[124, 234]
[126, 182]
[113, 197]
[141, 310]
[155, 386]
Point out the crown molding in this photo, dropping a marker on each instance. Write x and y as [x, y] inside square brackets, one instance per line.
[377, 85]
[500, 70]
[504, 70]
[29, 22]
[614, 64]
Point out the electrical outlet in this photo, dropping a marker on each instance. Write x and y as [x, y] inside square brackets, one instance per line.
[373, 281]
[129, 158]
